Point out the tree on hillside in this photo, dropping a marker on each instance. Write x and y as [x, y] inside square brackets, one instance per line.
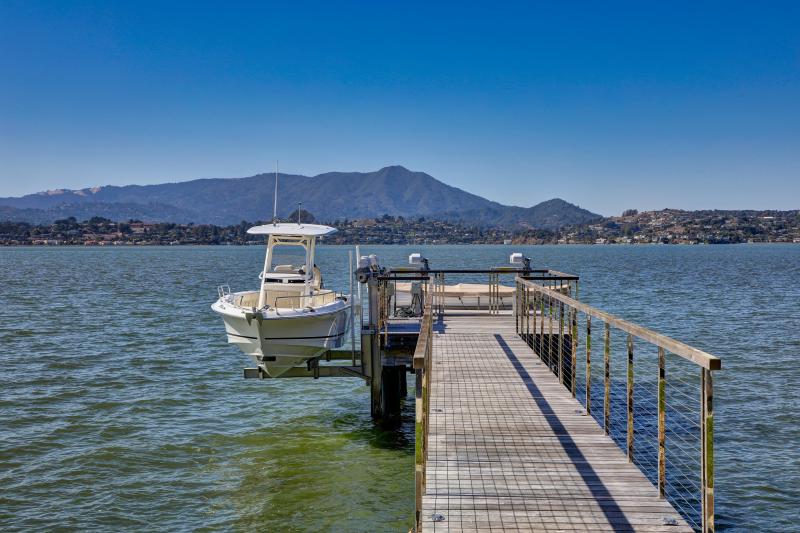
[305, 217]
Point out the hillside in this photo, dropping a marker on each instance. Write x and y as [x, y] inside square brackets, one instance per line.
[392, 190]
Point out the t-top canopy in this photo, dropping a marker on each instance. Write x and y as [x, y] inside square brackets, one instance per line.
[304, 230]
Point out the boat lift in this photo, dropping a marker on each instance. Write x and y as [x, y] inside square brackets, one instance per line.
[388, 329]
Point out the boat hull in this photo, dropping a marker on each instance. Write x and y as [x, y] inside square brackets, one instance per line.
[282, 340]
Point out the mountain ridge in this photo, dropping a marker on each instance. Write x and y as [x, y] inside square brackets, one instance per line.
[392, 190]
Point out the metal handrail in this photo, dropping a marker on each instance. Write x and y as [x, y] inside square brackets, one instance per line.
[566, 282]
[224, 290]
[537, 304]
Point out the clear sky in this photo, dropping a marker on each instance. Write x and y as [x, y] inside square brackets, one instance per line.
[607, 105]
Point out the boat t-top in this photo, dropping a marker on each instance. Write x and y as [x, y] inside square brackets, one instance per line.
[291, 318]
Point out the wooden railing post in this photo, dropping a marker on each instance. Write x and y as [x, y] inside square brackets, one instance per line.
[550, 333]
[662, 424]
[442, 288]
[707, 448]
[527, 314]
[588, 364]
[535, 307]
[574, 362]
[517, 306]
[630, 397]
[561, 342]
[541, 327]
[607, 379]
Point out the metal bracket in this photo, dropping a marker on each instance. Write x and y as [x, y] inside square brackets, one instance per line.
[312, 365]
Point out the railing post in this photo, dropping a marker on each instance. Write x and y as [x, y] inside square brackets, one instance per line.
[588, 364]
[494, 290]
[707, 448]
[574, 358]
[491, 294]
[524, 313]
[541, 327]
[535, 307]
[442, 290]
[561, 342]
[527, 313]
[630, 397]
[662, 424]
[607, 379]
[550, 333]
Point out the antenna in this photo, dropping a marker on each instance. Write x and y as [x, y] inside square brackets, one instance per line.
[275, 198]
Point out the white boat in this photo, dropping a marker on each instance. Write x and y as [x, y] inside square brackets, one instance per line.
[292, 318]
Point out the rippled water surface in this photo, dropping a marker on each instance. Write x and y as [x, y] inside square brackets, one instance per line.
[122, 406]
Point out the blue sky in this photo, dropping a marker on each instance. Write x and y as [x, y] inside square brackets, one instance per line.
[607, 105]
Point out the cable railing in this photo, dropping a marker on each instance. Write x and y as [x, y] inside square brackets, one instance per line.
[652, 394]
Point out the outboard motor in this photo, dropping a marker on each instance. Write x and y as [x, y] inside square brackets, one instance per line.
[519, 259]
[417, 259]
[367, 267]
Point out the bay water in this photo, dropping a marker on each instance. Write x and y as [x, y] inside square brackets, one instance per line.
[123, 407]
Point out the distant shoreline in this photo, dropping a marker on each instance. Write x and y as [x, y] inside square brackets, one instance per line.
[632, 227]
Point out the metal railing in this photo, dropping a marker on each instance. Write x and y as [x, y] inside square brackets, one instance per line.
[435, 283]
[422, 369]
[224, 290]
[658, 407]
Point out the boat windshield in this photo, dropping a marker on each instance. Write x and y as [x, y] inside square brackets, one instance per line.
[288, 259]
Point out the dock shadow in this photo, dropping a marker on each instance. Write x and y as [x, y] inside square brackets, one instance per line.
[616, 517]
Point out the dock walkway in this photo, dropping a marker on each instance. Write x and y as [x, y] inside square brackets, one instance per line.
[509, 449]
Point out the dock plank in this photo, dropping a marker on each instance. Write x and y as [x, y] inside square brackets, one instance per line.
[511, 450]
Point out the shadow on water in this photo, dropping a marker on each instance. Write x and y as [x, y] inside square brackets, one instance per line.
[394, 434]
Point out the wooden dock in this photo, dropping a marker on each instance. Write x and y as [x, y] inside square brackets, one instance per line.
[510, 449]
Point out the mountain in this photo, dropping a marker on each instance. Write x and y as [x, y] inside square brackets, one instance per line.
[550, 214]
[392, 190]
